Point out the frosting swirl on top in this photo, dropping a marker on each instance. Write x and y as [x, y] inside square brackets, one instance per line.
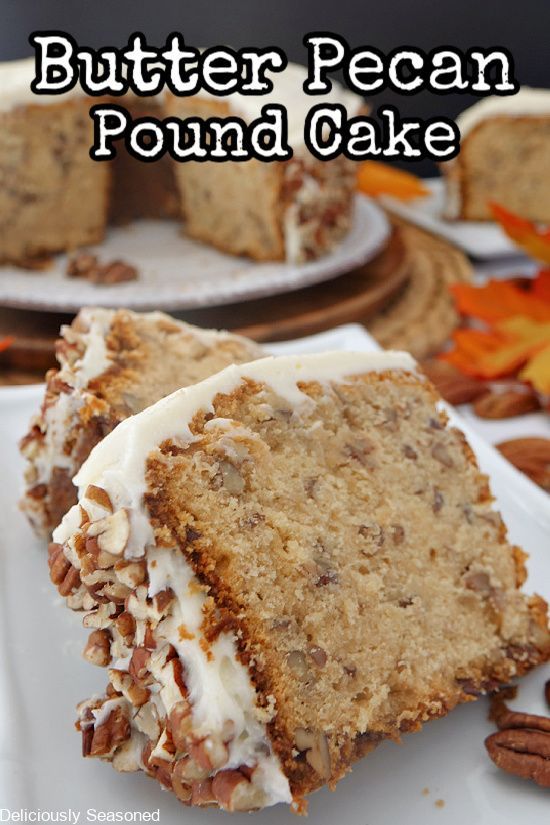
[526, 102]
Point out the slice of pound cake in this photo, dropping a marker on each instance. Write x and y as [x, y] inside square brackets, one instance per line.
[53, 196]
[295, 210]
[504, 158]
[289, 562]
[112, 364]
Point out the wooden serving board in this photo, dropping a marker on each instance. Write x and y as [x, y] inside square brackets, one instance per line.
[354, 296]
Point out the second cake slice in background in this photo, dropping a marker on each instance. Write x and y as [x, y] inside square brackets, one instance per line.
[112, 364]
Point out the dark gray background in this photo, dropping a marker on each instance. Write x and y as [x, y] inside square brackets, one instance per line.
[523, 26]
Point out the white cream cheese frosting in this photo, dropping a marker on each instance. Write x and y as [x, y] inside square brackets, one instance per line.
[15, 86]
[57, 417]
[527, 101]
[96, 359]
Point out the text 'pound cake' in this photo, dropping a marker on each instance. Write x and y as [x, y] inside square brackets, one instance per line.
[112, 364]
[504, 158]
[289, 562]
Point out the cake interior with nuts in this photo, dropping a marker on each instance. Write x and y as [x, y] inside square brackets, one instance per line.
[504, 158]
[112, 364]
[282, 566]
[296, 210]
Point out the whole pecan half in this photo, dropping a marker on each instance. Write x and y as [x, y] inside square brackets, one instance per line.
[531, 456]
[506, 404]
[506, 719]
[521, 746]
[452, 385]
[523, 752]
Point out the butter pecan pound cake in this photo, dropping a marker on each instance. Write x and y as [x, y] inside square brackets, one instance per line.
[504, 158]
[112, 364]
[295, 210]
[288, 563]
[52, 194]
[54, 198]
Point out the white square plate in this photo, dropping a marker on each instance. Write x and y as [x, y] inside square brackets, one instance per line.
[42, 677]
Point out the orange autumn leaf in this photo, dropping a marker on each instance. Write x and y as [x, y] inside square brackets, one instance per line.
[501, 352]
[521, 328]
[462, 362]
[537, 371]
[526, 234]
[529, 338]
[471, 345]
[499, 299]
[510, 320]
[475, 341]
[375, 178]
[507, 360]
[541, 285]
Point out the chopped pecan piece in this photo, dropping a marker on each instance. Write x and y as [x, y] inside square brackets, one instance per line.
[296, 661]
[315, 745]
[318, 655]
[139, 663]
[234, 791]
[85, 265]
[82, 265]
[98, 648]
[126, 626]
[180, 724]
[62, 573]
[112, 532]
[106, 737]
[99, 496]
[115, 272]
